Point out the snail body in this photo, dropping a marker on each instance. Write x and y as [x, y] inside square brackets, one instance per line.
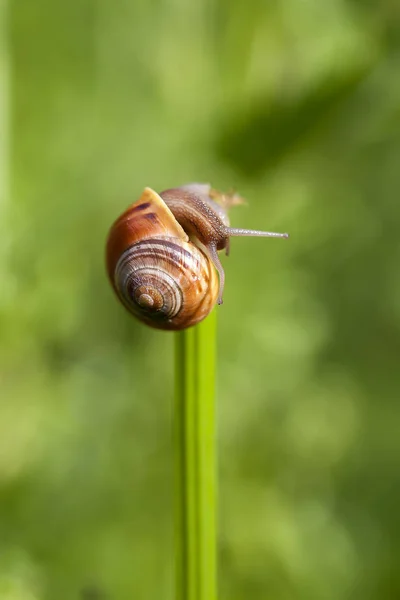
[162, 255]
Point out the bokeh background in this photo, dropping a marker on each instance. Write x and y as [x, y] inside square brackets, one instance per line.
[295, 104]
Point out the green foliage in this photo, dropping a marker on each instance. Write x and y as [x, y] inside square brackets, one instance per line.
[296, 105]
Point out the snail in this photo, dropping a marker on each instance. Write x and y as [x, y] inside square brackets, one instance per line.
[162, 254]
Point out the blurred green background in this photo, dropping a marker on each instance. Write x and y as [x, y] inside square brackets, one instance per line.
[295, 104]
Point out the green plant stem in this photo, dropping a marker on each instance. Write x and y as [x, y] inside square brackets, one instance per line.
[195, 530]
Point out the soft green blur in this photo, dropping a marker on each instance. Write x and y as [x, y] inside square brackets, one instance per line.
[295, 104]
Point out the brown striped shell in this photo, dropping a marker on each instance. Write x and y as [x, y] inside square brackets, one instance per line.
[162, 277]
[158, 274]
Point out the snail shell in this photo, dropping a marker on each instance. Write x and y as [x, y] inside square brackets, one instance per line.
[166, 279]
[157, 273]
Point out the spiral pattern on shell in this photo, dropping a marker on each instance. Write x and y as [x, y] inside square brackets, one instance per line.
[166, 282]
[157, 273]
